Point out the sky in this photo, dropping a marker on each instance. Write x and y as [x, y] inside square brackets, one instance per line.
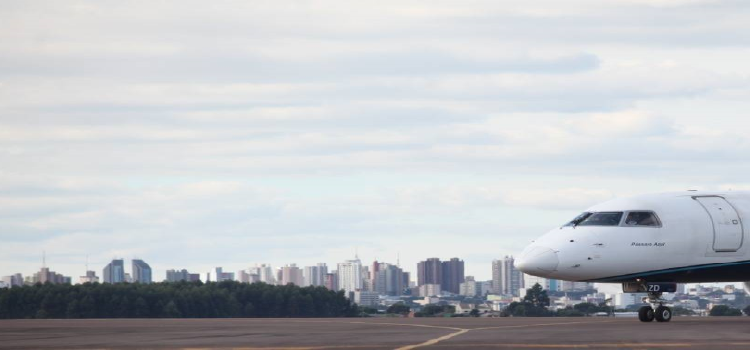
[197, 134]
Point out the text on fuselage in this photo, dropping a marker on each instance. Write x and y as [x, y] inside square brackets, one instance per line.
[648, 244]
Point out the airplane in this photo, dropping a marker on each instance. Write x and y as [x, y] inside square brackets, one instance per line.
[649, 243]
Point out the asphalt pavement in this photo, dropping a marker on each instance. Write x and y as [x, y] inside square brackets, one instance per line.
[378, 333]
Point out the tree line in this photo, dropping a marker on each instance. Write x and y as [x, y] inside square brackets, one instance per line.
[172, 300]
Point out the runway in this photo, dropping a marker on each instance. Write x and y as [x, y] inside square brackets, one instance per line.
[377, 333]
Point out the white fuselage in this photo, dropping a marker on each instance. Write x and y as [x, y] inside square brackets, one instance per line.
[698, 237]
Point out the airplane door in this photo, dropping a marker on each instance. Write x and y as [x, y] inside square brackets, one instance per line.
[728, 230]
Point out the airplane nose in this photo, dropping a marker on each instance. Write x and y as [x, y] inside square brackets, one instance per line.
[538, 260]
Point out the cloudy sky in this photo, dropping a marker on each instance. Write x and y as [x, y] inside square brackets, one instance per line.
[202, 134]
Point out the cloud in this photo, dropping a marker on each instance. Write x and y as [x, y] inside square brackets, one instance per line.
[197, 136]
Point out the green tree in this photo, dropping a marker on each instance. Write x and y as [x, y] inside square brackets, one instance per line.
[366, 311]
[431, 310]
[586, 308]
[171, 310]
[536, 296]
[140, 308]
[87, 307]
[398, 309]
[181, 299]
[73, 311]
[249, 310]
[681, 311]
[525, 309]
[570, 312]
[724, 310]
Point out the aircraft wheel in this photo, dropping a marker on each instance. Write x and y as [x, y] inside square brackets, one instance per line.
[663, 314]
[646, 314]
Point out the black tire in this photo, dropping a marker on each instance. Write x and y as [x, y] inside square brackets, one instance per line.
[646, 314]
[663, 314]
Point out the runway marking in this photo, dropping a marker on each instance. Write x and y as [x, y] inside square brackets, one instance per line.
[466, 330]
[433, 341]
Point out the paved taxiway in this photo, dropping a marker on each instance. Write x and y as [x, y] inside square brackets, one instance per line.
[378, 333]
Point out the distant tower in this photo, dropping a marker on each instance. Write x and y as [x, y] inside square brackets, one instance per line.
[506, 278]
[453, 275]
[350, 275]
[141, 271]
[114, 272]
[429, 271]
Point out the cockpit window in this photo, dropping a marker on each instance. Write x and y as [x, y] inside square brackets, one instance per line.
[641, 218]
[602, 219]
[578, 219]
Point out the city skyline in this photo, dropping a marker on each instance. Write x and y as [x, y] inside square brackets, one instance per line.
[382, 272]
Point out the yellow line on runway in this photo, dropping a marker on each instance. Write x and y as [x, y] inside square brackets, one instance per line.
[459, 331]
[433, 341]
[464, 330]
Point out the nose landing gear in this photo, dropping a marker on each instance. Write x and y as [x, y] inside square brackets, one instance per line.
[660, 314]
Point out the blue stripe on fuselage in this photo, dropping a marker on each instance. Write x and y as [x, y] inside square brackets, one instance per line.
[666, 271]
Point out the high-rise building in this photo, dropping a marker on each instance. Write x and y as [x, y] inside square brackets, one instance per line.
[453, 275]
[315, 275]
[251, 275]
[364, 298]
[89, 278]
[429, 271]
[114, 272]
[46, 276]
[223, 276]
[350, 275]
[291, 274]
[506, 278]
[374, 275]
[331, 281]
[243, 276]
[177, 275]
[570, 286]
[485, 287]
[265, 273]
[406, 280]
[141, 272]
[388, 280]
[367, 279]
[469, 287]
[43, 276]
[547, 284]
[429, 290]
[14, 280]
